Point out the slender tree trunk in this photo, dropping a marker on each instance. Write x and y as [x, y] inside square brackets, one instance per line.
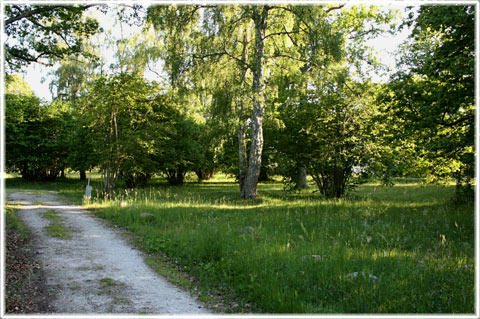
[242, 157]
[116, 173]
[260, 14]
[113, 168]
[83, 175]
[107, 182]
[242, 143]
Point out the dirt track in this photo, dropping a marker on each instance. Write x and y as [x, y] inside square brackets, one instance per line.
[95, 271]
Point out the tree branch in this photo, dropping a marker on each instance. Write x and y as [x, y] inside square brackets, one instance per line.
[282, 55]
[28, 58]
[466, 117]
[361, 34]
[309, 63]
[47, 8]
[31, 13]
[34, 21]
[334, 8]
[222, 53]
[288, 33]
[208, 55]
[245, 64]
[282, 33]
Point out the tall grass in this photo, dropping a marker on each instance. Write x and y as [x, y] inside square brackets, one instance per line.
[401, 249]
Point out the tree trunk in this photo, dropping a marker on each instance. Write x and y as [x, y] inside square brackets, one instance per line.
[113, 168]
[242, 143]
[107, 181]
[204, 174]
[242, 157]
[83, 175]
[260, 14]
[301, 176]
[176, 177]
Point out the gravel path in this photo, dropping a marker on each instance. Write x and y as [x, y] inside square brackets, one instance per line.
[96, 271]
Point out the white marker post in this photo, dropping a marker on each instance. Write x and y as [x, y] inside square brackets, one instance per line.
[88, 190]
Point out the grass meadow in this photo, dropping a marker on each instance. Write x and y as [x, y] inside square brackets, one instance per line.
[399, 249]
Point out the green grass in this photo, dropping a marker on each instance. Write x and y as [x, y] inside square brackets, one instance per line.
[56, 228]
[297, 253]
[107, 282]
[14, 222]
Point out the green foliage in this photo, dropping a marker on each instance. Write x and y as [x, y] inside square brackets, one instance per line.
[431, 105]
[299, 72]
[69, 80]
[16, 85]
[81, 144]
[35, 137]
[327, 127]
[208, 162]
[130, 122]
[43, 33]
[138, 131]
[233, 53]
[69, 83]
[182, 151]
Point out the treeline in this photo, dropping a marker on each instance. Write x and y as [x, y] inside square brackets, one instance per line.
[125, 126]
[253, 91]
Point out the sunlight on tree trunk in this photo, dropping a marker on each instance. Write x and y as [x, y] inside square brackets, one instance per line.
[260, 15]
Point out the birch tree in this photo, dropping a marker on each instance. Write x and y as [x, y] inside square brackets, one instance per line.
[256, 38]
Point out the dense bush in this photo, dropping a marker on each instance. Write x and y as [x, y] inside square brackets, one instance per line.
[35, 138]
[327, 130]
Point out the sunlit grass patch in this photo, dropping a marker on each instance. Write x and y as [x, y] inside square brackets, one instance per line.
[108, 282]
[412, 250]
[13, 221]
[296, 253]
[56, 228]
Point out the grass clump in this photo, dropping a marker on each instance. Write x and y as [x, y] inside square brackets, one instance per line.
[14, 222]
[56, 228]
[107, 282]
[110, 286]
